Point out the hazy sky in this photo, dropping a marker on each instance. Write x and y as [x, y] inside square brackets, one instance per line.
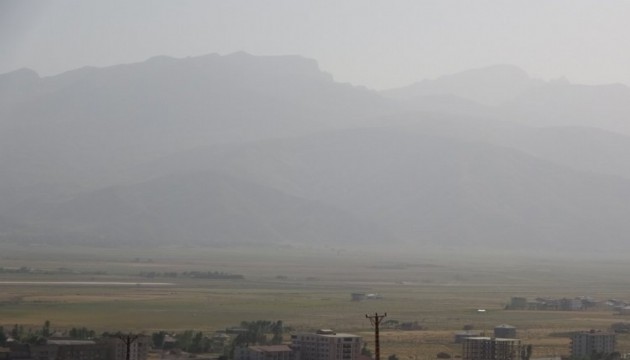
[379, 44]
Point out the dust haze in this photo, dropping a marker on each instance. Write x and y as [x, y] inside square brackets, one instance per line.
[248, 145]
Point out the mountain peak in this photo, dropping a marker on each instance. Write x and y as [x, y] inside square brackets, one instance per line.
[19, 76]
[15, 83]
[490, 85]
[503, 69]
[161, 59]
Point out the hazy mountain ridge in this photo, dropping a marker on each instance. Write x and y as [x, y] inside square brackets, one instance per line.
[122, 115]
[508, 93]
[284, 154]
[489, 86]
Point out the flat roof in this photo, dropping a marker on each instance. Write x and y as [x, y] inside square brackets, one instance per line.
[70, 342]
[334, 335]
[490, 338]
[271, 348]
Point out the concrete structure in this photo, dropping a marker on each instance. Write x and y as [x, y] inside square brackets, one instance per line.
[269, 352]
[60, 349]
[518, 303]
[139, 349]
[325, 344]
[571, 304]
[584, 344]
[505, 331]
[358, 296]
[486, 348]
[548, 303]
[71, 350]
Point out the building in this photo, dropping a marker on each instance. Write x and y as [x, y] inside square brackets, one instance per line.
[486, 348]
[60, 349]
[571, 304]
[585, 344]
[71, 350]
[325, 344]
[357, 296]
[269, 352]
[518, 303]
[138, 349]
[505, 331]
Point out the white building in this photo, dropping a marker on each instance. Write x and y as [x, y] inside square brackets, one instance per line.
[325, 344]
[264, 352]
[138, 348]
[487, 348]
[584, 344]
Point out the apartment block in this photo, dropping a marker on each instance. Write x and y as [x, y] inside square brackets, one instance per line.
[585, 344]
[487, 348]
[326, 344]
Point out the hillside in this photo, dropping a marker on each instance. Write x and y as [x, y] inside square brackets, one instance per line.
[270, 150]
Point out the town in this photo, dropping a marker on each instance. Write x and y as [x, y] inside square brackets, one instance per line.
[267, 340]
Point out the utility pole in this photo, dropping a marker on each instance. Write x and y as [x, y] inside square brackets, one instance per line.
[375, 320]
[128, 340]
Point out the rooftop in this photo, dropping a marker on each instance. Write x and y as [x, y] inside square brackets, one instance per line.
[270, 348]
[70, 342]
[491, 338]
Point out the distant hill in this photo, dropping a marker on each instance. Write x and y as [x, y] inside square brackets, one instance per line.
[564, 104]
[270, 150]
[201, 208]
[506, 92]
[489, 86]
[91, 122]
[425, 190]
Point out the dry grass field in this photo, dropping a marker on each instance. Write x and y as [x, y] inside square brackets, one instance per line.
[307, 289]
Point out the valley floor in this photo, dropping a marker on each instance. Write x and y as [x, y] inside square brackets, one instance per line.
[179, 288]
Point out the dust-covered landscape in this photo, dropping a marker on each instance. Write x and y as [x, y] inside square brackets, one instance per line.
[314, 180]
[309, 288]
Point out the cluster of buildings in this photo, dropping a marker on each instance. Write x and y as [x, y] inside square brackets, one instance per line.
[365, 296]
[584, 345]
[110, 348]
[325, 344]
[548, 303]
[500, 331]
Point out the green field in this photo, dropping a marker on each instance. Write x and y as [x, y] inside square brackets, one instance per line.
[308, 289]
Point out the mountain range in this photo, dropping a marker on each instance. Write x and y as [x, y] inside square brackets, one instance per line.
[243, 149]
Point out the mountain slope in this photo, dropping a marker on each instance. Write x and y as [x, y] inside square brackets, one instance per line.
[87, 123]
[245, 149]
[202, 208]
[429, 190]
[507, 93]
[488, 86]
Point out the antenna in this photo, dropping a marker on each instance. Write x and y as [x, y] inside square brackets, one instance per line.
[375, 320]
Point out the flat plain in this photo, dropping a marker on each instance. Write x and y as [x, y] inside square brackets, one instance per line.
[308, 289]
